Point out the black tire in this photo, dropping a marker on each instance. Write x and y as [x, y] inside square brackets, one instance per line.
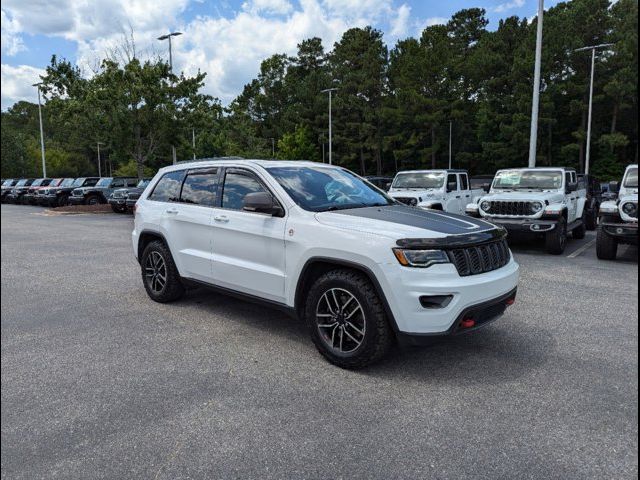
[556, 240]
[92, 200]
[173, 288]
[606, 246]
[119, 209]
[375, 337]
[581, 231]
[592, 218]
[61, 201]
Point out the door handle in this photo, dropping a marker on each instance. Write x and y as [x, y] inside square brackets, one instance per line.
[172, 211]
[221, 218]
[458, 196]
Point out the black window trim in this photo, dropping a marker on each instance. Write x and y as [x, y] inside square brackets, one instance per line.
[249, 173]
[182, 172]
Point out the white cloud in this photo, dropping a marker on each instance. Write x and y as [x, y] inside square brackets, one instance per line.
[16, 84]
[430, 22]
[11, 41]
[503, 7]
[400, 24]
[276, 7]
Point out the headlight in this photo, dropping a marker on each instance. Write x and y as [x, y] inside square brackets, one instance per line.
[420, 258]
[629, 208]
[485, 206]
[536, 207]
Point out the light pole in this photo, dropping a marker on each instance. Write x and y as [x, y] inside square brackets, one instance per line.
[168, 37]
[99, 162]
[593, 49]
[533, 138]
[450, 142]
[330, 91]
[273, 147]
[44, 162]
[193, 142]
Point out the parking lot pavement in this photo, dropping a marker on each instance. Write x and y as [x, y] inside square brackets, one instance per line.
[100, 382]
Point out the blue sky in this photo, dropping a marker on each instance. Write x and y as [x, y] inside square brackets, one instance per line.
[225, 38]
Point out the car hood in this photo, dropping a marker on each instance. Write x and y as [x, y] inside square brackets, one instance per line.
[551, 197]
[629, 198]
[411, 193]
[400, 221]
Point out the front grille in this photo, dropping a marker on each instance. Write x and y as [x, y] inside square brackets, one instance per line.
[480, 259]
[407, 200]
[519, 209]
[119, 194]
[77, 192]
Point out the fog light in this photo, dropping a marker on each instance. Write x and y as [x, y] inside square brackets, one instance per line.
[467, 323]
[619, 231]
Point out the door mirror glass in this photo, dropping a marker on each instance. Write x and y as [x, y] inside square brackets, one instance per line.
[486, 187]
[572, 187]
[614, 187]
[452, 186]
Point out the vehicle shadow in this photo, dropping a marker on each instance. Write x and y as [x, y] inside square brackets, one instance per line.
[497, 353]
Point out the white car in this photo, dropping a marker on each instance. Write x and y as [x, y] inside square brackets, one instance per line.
[618, 219]
[542, 202]
[446, 190]
[323, 244]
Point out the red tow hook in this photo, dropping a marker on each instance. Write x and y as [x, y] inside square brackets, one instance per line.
[510, 302]
[467, 323]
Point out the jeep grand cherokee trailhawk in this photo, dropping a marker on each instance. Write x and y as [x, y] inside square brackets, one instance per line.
[320, 242]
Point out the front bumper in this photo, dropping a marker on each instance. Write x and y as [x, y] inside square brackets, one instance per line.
[624, 232]
[118, 202]
[73, 200]
[404, 286]
[530, 225]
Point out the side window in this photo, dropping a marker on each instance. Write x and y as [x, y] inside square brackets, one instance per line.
[574, 177]
[117, 183]
[131, 182]
[452, 182]
[464, 182]
[236, 186]
[582, 184]
[567, 179]
[168, 188]
[90, 182]
[200, 187]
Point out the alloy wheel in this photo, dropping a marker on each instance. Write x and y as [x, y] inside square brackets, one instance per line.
[155, 272]
[340, 320]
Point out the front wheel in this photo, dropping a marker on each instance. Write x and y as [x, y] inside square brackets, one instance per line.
[606, 246]
[119, 208]
[592, 219]
[347, 320]
[556, 240]
[92, 200]
[159, 273]
[63, 201]
[581, 231]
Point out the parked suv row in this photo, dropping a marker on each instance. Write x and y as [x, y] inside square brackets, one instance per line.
[362, 269]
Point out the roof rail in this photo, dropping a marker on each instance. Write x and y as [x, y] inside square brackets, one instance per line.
[209, 159]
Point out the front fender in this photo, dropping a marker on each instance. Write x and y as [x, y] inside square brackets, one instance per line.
[582, 202]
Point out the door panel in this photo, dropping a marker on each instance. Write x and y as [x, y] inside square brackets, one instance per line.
[248, 248]
[453, 198]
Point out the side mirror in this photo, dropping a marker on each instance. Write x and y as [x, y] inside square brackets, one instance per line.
[452, 186]
[260, 202]
[572, 187]
[614, 187]
[486, 187]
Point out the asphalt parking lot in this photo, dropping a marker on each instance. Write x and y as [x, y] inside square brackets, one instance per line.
[100, 382]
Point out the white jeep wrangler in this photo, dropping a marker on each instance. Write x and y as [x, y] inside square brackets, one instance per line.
[537, 201]
[618, 219]
[446, 190]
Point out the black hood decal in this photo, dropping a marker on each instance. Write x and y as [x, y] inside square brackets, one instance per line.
[462, 230]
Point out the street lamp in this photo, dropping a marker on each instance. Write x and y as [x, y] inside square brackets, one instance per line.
[533, 138]
[593, 49]
[168, 37]
[273, 147]
[99, 162]
[450, 142]
[44, 163]
[330, 91]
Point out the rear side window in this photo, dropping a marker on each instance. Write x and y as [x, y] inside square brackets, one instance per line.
[200, 187]
[452, 182]
[118, 183]
[131, 182]
[464, 182]
[236, 186]
[168, 188]
[90, 182]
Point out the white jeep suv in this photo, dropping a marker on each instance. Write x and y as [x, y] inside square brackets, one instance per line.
[541, 202]
[322, 243]
[619, 218]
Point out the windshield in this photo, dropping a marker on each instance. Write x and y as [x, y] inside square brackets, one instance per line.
[21, 182]
[143, 183]
[320, 189]
[631, 179]
[528, 180]
[7, 183]
[67, 182]
[78, 182]
[104, 182]
[38, 182]
[419, 180]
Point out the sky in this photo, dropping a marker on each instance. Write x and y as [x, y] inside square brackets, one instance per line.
[227, 39]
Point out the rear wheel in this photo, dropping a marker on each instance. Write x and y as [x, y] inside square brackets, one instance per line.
[606, 246]
[556, 240]
[63, 201]
[346, 319]
[159, 273]
[92, 200]
[592, 219]
[581, 231]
